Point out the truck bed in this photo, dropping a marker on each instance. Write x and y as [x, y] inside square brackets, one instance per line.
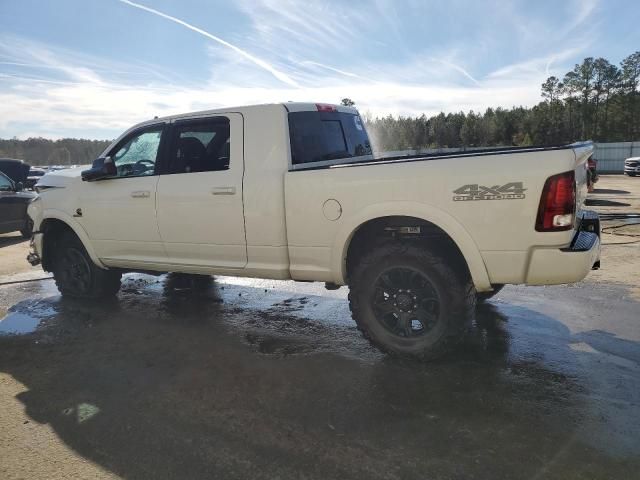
[347, 162]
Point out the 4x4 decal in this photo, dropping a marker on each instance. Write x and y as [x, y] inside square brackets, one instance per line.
[509, 191]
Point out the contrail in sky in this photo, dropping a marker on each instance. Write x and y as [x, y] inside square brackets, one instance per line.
[459, 69]
[322, 65]
[261, 63]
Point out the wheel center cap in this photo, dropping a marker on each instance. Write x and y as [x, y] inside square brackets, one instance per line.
[404, 301]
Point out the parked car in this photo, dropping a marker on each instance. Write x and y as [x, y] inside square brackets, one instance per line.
[292, 191]
[632, 166]
[13, 207]
[16, 170]
[592, 174]
[34, 175]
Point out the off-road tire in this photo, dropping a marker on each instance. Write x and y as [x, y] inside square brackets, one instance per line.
[454, 288]
[75, 273]
[484, 296]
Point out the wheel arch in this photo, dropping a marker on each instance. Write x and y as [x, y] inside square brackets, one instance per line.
[412, 212]
[55, 222]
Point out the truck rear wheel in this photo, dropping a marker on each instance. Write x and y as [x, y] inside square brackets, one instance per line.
[410, 302]
[75, 273]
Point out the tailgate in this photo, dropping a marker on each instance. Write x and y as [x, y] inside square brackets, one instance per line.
[582, 153]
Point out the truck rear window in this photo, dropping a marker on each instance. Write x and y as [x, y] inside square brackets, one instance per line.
[323, 136]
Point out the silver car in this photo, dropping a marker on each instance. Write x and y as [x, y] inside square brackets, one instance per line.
[632, 166]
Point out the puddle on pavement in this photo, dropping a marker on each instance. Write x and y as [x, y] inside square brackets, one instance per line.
[26, 317]
[283, 319]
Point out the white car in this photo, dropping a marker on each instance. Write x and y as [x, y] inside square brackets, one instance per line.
[292, 191]
[632, 166]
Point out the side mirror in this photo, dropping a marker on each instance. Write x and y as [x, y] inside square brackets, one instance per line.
[19, 187]
[102, 167]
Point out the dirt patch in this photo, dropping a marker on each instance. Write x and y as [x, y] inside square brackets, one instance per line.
[13, 255]
[621, 232]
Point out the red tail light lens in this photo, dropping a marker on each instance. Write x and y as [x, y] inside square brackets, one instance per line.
[557, 204]
[322, 107]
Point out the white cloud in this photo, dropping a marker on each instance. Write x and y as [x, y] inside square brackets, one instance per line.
[104, 107]
[48, 91]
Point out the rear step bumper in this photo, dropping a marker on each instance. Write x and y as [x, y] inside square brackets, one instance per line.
[549, 266]
[588, 233]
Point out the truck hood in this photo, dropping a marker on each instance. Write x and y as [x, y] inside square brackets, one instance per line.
[60, 178]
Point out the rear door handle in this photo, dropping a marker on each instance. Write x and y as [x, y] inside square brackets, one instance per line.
[223, 190]
[141, 194]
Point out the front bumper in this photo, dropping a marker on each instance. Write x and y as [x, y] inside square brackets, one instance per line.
[552, 266]
[35, 250]
[629, 170]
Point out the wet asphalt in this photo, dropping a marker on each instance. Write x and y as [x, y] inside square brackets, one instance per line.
[242, 378]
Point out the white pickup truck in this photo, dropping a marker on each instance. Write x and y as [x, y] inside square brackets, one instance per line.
[292, 191]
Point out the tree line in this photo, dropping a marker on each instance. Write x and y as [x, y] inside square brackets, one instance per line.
[596, 100]
[42, 151]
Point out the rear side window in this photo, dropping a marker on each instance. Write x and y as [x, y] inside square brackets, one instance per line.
[200, 146]
[323, 136]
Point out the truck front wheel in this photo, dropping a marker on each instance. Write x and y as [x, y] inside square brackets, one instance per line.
[408, 301]
[484, 296]
[75, 273]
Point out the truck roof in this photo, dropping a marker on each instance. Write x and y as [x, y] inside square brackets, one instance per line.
[289, 106]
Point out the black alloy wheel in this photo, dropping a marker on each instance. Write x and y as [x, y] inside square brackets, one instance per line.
[405, 302]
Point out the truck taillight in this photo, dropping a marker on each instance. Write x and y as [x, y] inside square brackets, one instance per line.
[557, 203]
[322, 107]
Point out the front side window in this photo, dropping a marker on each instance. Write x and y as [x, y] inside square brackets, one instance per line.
[5, 184]
[200, 146]
[138, 154]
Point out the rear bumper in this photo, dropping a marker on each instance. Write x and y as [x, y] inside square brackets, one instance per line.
[551, 266]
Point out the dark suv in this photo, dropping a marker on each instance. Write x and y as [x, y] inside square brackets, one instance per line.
[13, 207]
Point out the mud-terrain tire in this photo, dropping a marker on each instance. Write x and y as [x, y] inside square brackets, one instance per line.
[443, 300]
[484, 296]
[75, 273]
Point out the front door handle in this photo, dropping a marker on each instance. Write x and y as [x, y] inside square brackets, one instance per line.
[141, 194]
[223, 191]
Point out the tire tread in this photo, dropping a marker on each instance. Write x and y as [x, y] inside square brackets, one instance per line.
[459, 284]
[105, 283]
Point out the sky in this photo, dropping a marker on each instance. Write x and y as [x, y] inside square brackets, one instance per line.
[92, 68]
